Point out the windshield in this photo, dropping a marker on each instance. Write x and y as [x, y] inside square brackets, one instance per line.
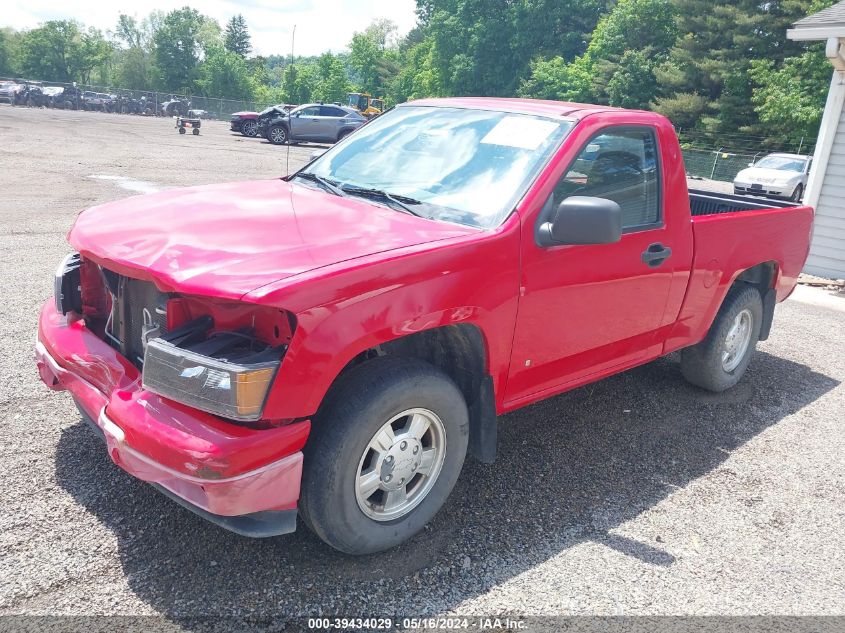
[783, 163]
[453, 164]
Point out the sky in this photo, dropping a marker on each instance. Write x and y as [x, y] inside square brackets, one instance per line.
[321, 25]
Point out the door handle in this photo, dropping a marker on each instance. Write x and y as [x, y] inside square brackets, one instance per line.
[656, 254]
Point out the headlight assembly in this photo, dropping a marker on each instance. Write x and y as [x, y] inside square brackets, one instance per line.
[228, 373]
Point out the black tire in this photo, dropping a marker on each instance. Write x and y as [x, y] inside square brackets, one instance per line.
[357, 406]
[181, 130]
[278, 135]
[703, 364]
[249, 129]
[195, 131]
[343, 135]
[798, 193]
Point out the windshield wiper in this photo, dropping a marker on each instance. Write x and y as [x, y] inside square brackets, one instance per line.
[399, 201]
[327, 184]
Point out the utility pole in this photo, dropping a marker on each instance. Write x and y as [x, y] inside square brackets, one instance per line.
[292, 40]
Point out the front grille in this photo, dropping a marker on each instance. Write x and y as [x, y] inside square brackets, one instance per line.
[139, 313]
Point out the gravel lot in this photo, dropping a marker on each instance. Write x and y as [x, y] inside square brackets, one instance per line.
[637, 495]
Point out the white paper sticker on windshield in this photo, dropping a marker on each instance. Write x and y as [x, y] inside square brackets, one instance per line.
[521, 132]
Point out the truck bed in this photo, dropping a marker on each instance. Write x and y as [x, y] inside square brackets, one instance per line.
[713, 203]
[735, 233]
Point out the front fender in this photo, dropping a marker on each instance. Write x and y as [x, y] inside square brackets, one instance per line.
[473, 280]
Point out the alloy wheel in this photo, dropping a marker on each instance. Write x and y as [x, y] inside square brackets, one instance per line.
[737, 340]
[400, 465]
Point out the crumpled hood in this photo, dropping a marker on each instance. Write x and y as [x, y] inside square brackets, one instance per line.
[227, 240]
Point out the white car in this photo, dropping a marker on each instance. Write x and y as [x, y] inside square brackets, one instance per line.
[776, 175]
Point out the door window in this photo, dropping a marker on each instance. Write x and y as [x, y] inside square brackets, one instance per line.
[330, 111]
[311, 111]
[620, 165]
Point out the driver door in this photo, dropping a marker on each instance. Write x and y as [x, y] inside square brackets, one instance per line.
[587, 308]
[305, 123]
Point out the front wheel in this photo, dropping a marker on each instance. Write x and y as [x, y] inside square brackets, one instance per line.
[797, 194]
[719, 361]
[386, 449]
[278, 135]
[249, 128]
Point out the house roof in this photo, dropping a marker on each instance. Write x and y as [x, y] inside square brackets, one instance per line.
[826, 23]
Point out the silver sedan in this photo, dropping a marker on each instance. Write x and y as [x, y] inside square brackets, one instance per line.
[776, 175]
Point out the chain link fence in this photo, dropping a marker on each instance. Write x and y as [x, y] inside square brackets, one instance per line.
[127, 101]
[734, 153]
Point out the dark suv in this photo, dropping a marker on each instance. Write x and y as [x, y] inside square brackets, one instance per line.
[326, 123]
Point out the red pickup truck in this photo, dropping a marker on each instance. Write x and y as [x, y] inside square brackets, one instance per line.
[333, 343]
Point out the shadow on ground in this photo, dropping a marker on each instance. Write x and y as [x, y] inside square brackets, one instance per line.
[570, 470]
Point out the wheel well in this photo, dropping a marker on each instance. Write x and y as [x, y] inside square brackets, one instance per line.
[762, 276]
[459, 352]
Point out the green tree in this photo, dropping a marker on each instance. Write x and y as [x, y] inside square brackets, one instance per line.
[790, 99]
[333, 83]
[717, 44]
[486, 47]
[61, 50]
[632, 83]
[224, 74]
[9, 47]
[133, 57]
[556, 79]
[177, 49]
[618, 65]
[237, 37]
[418, 76]
[301, 82]
[374, 57]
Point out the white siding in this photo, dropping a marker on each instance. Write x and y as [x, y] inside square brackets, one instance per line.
[827, 253]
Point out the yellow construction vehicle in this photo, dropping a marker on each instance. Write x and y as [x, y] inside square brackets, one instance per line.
[365, 104]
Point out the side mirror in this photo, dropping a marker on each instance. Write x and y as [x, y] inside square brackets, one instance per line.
[751, 164]
[583, 220]
[317, 153]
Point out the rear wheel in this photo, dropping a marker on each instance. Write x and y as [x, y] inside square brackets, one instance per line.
[278, 135]
[181, 130]
[385, 451]
[719, 361]
[195, 131]
[249, 128]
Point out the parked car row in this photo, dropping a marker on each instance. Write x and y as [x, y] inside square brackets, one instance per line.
[35, 95]
[284, 123]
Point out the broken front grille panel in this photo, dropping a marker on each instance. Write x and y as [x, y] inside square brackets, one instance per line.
[139, 314]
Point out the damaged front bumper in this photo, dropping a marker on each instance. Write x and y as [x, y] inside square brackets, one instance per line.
[243, 479]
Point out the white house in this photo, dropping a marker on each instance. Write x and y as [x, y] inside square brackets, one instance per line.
[826, 187]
